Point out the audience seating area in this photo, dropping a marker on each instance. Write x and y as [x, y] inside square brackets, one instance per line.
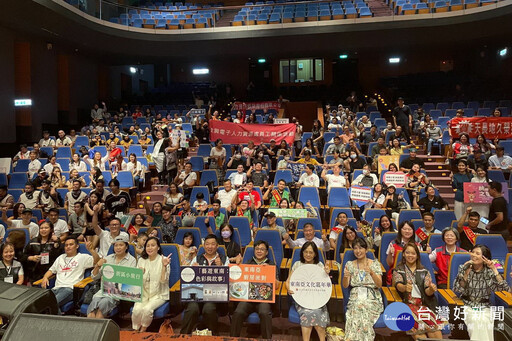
[407, 7]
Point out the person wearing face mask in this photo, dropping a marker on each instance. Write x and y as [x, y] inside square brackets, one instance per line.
[233, 250]
[354, 162]
[367, 179]
[283, 164]
[235, 161]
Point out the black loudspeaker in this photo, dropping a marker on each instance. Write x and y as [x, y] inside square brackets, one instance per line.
[17, 299]
[26, 327]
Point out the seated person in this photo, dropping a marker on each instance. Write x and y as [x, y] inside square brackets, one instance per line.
[208, 309]
[430, 201]
[367, 179]
[500, 161]
[69, 269]
[406, 165]
[353, 162]
[259, 178]
[238, 178]
[272, 223]
[309, 236]
[441, 255]
[468, 228]
[336, 179]
[341, 224]
[428, 221]
[308, 178]
[277, 194]
[248, 193]
[308, 160]
[264, 310]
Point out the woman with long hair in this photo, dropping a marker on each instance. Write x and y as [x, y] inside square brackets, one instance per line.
[485, 146]
[233, 251]
[73, 175]
[41, 252]
[155, 290]
[136, 168]
[77, 163]
[458, 180]
[364, 276]
[414, 284]
[57, 179]
[347, 239]
[318, 135]
[405, 235]
[95, 175]
[173, 196]
[97, 160]
[385, 225]
[17, 210]
[310, 318]
[94, 199]
[136, 224]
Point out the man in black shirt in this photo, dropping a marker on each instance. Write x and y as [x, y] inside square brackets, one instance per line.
[429, 201]
[498, 211]
[468, 226]
[117, 202]
[402, 117]
[406, 165]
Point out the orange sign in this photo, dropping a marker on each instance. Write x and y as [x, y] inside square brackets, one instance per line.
[252, 283]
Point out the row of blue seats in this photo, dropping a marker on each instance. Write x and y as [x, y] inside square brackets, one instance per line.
[289, 17]
[475, 105]
[168, 16]
[164, 24]
[438, 6]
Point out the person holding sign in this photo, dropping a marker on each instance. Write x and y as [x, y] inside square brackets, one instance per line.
[101, 306]
[155, 290]
[11, 271]
[364, 307]
[310, 318]
[264, 310]
[476, 281]
[41, 252]
[415, 286]
[209, 310]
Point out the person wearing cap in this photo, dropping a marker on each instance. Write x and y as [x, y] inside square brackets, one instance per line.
[106, 237]
[48, 198]
[272, 223]
[477, 159]
[24, 222]
[29, 196]
[46, 141]
[101, 306]
[42, 175]
[402, 117]
[406, 165]
[500, 160]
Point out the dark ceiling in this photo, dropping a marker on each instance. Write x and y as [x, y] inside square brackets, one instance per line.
[51, 21]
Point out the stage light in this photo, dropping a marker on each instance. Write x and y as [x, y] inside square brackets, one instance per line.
[262, 60]
[503, 52]
[133, 70]
[394, 60]
[343, 56]
[202, 71]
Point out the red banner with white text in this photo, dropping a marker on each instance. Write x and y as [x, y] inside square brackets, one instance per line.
[243, 106]
[233, 133]
[491, 127]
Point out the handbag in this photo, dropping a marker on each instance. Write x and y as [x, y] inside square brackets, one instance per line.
[94, 287]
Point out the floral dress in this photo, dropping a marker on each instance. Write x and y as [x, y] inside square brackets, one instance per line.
[428, 322]
[365, 304]
[312, 317]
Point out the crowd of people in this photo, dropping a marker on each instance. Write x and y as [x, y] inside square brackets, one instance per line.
[249, 185]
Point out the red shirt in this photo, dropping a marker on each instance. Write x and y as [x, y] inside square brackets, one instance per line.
[442, 262]
[245, 196]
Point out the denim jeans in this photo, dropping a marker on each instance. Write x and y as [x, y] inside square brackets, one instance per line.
[63, 296]
[429, 146]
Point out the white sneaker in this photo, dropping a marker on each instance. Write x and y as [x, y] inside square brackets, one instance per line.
[447, 162]
[428, 154]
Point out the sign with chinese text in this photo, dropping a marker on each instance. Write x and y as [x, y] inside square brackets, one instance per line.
[242, 106]
[252, 283]
[122, 282]
[204, 284]
[385, 160]
[491, 127]
[197, 111]
[289, 212]
[360, 195]
[478, 192]
[233, 133]
[311, 286]
[398, 179]
[281, 120]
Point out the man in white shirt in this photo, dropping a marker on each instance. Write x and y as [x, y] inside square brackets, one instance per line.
[106, 237]
[367, 179]
[60, 227]
[69, 269]
[336, 179]
[74, 196]
[6, 199]
[308, 178]
[63, 140]
[46, 141]
[239, 178]
[34, 166]
[186, 179]
[227, 196]
[500, 160]
[24, 222]
[309, 236]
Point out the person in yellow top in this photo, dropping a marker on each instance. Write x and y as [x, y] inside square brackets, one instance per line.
[126, 141]
[112, 138]
[144, 141]
[397, 149]
[308, 160]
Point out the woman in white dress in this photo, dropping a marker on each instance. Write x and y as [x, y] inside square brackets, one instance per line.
[156, 284]
[136, 168]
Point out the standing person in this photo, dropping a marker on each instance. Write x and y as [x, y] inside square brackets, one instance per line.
[476, 281]
[415, 286]
[161, 144]
[402, 117]
[155, 290]
[364, 307]
[310, 318]
[101, 306]
[210, 257]
[69, 269]
[297, 141]
[498, 211]
[468, 228]
[458, 185]
[171, 160]
[263, 309]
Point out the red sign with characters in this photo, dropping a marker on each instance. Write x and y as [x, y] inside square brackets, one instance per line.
[491, 127]
[232, 133]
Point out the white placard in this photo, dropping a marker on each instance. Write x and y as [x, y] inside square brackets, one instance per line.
[311, 286]
[395, 178]
[360, 193]
[281, 120]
